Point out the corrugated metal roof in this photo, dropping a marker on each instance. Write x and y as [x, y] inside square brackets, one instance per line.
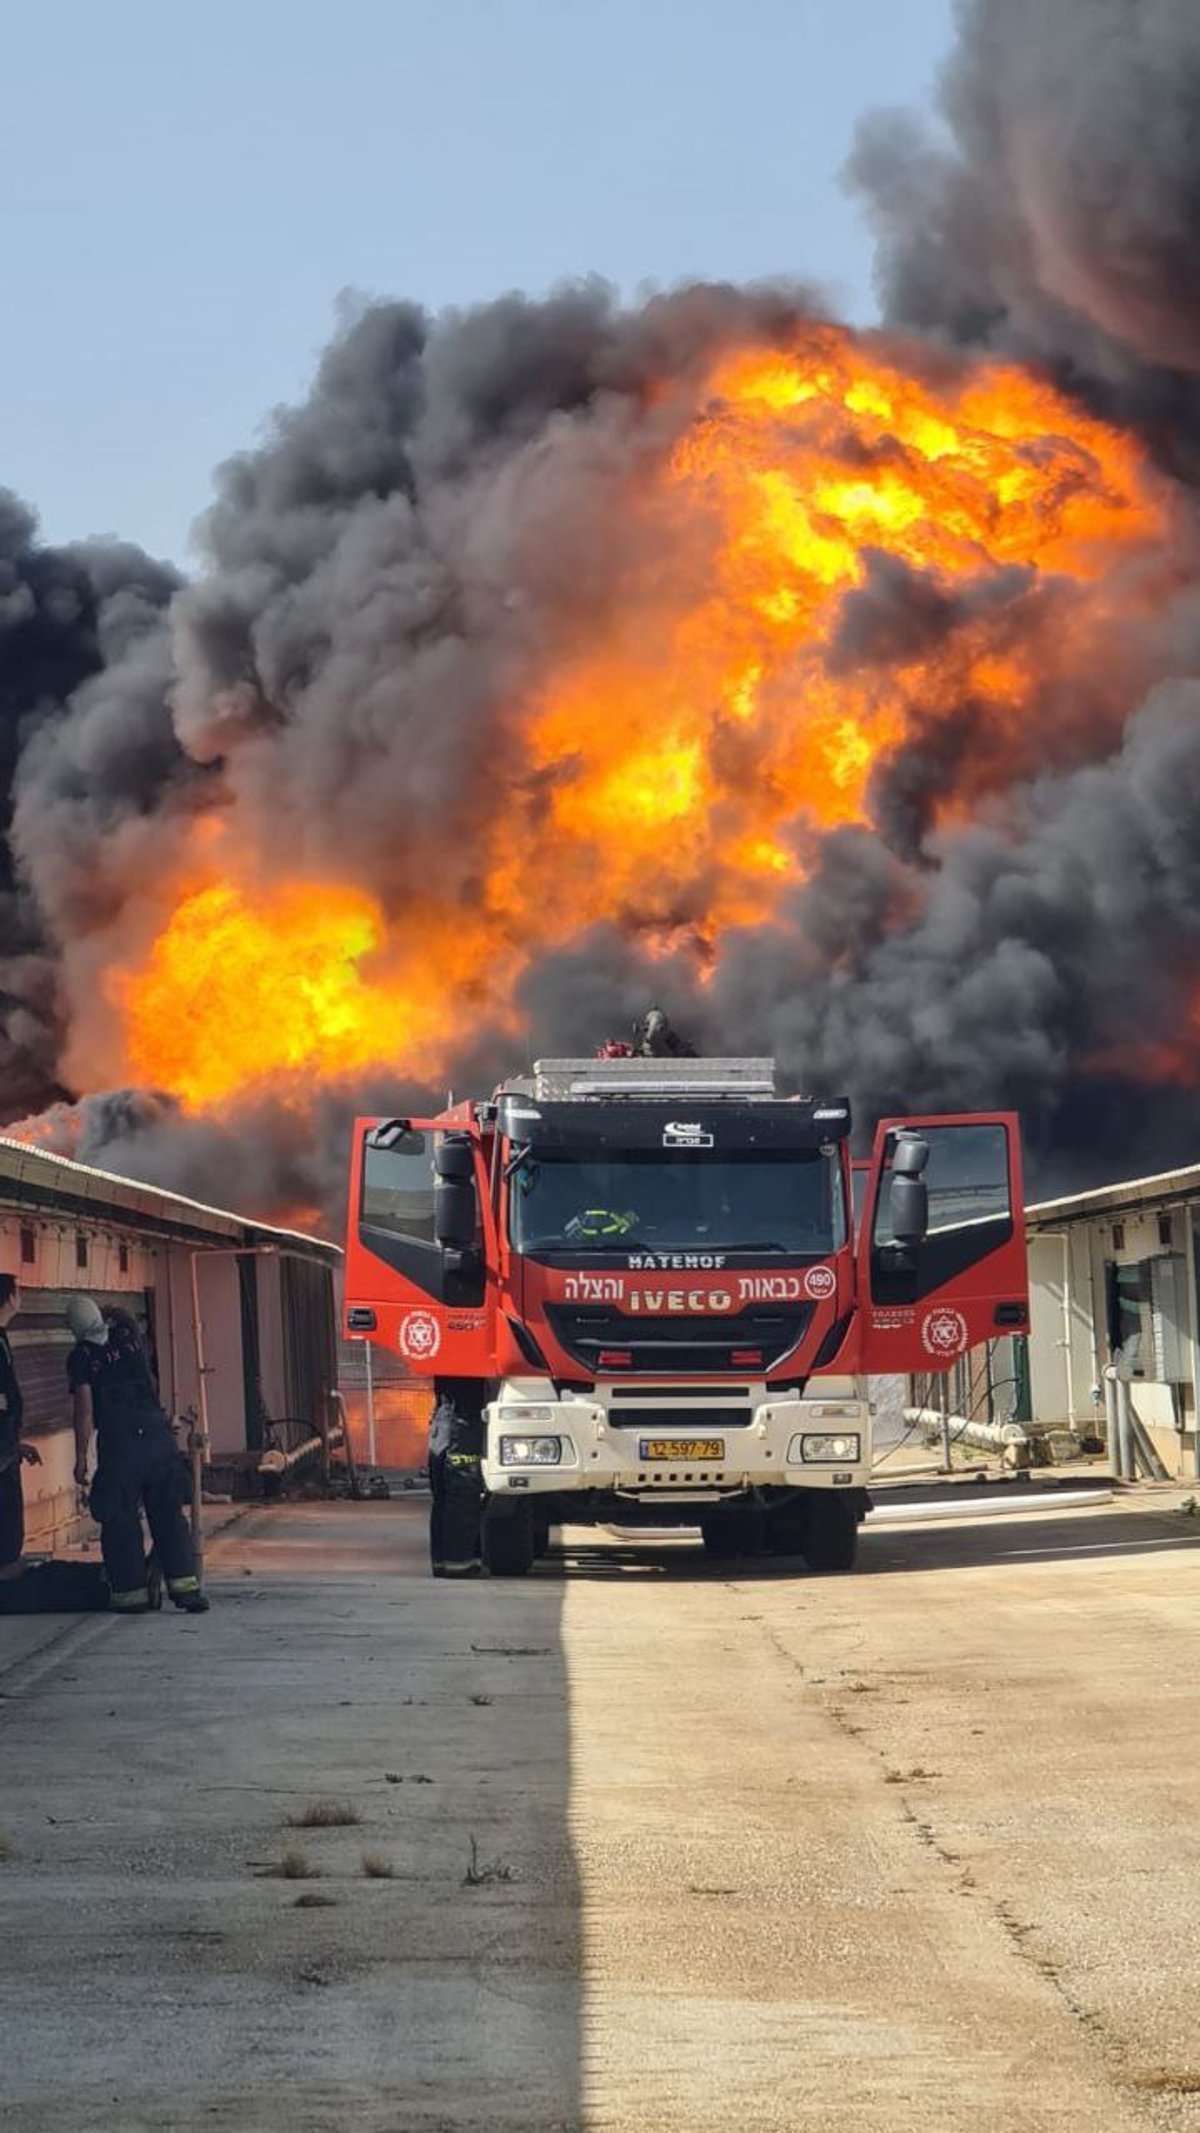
[26, 1169]
[1123, 1198]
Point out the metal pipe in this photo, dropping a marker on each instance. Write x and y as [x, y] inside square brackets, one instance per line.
[1142, 1448]
[1125, 1429]
[1189, 1234]
[339, 1401]
[958, 1506]
[371, 1452]
[947, 1445]
[1112, 1436]
[1007, 1438]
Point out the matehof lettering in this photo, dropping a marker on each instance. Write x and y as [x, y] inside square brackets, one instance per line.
[672, 1262]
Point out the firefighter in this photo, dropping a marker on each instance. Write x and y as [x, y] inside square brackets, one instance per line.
[654, 1038]
[455, 1479]
[138, 1464]
[13, 1452]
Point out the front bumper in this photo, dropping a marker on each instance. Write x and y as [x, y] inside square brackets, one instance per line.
[638, 1460]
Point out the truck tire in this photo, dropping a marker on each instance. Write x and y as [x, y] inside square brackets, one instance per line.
[786, 1528]
[541, 1537]
[508, 1543]
[728, 1534]
[831, 1534]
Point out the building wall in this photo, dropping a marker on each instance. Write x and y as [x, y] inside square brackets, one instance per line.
[1064, 1361]
[118, 1264]
[155, 1276]
[1063, 1376]
[270, 1335]
[221, 1314]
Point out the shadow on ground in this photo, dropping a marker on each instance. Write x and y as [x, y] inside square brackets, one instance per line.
[1019, 1538]
[177, 1955]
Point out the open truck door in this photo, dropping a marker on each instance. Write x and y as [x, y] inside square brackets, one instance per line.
[416, 1262]
[941, 1241]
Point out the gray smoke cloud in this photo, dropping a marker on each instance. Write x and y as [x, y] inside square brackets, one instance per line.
[389, 578]
[1058, 218]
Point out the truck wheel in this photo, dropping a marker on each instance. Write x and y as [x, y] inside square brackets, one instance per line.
[831, 1534]
[786, 1530]
[727, 1534]
[508, 1544]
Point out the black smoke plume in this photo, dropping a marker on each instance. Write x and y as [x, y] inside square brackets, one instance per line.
[411, 550]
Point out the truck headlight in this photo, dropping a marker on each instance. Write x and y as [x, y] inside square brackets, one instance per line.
[530, 1451]
[813, 1450]
[522, 1412]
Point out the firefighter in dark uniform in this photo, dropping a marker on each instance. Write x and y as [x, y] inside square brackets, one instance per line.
[138, 1464]
[14, 1453]
[455, 1478]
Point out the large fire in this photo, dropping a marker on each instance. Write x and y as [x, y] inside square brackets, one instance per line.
[675, 765]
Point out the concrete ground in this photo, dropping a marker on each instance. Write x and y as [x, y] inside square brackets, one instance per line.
[646, 1846]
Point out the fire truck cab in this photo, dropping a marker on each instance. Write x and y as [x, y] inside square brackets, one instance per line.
[671, 1295]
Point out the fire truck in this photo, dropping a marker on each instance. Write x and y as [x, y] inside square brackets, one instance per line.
[669, 1284]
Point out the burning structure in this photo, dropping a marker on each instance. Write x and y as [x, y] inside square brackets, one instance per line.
[841, 690]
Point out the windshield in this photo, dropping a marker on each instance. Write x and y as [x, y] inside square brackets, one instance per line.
[674, 1202]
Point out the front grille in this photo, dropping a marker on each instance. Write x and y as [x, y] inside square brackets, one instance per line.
[622, 1393]
[671, 1347]
[694, 1421]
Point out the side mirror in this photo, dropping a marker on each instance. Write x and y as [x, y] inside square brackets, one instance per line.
[909, 1201]
[909, 1209]
[455, 1208]
[911, 1158]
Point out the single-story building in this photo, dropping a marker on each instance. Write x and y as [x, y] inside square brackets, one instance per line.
[1113, 1281]
[257, 1302]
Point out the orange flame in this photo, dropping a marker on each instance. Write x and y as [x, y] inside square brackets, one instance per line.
[716, 711]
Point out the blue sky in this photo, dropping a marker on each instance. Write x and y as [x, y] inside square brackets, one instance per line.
[188, 190]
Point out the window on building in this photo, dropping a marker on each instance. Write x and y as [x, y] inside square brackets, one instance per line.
[81, 1250]
[123, 1257]
[1128, 1296]
[1164, 1229]
[1118, 1236]
[28, 1246]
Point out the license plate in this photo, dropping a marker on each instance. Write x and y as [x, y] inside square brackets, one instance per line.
[682, 1448]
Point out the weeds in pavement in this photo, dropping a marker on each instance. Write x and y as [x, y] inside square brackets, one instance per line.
[294, 1865]
[377, 1866]
[481, 1700]
[325, 1814]
[312, 1901]
[8, 1849]
[480, 1876]
[1167, 2081]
